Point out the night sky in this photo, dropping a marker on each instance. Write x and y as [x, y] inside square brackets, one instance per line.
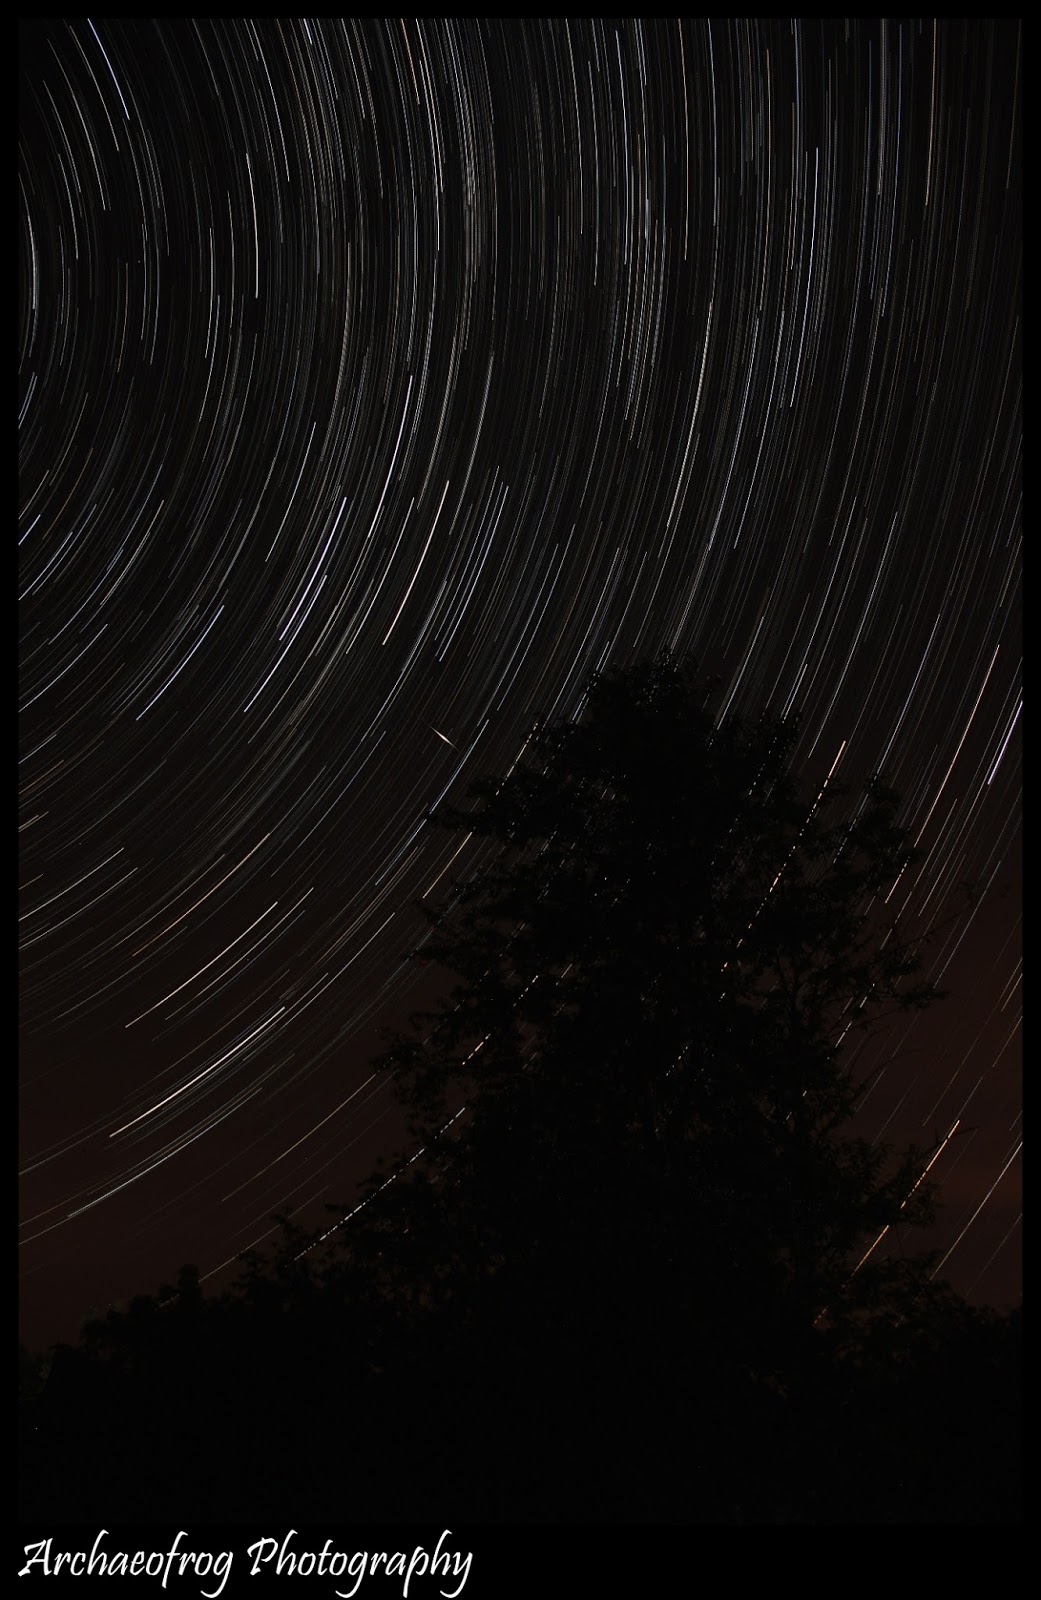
[379, 380]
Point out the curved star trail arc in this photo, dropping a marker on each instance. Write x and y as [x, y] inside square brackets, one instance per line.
[379, 380]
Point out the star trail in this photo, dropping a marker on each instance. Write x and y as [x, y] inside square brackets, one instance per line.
[380, 380]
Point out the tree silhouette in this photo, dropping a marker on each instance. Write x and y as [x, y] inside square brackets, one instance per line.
[661, 967]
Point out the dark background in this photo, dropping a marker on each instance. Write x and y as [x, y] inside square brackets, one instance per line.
[379, 381]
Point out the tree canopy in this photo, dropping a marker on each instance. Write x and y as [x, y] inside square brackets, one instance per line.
[660, 968]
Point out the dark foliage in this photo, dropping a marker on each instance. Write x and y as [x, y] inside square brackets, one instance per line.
[625, 1280]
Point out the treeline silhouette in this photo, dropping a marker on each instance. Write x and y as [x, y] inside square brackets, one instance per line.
[630, 1277]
